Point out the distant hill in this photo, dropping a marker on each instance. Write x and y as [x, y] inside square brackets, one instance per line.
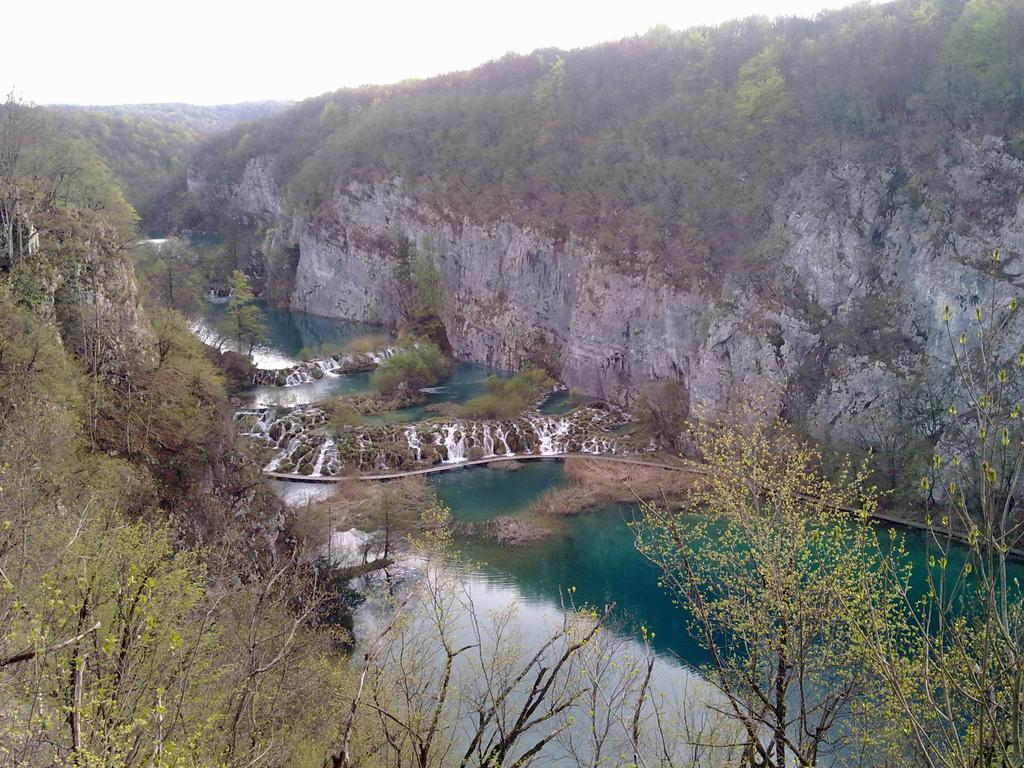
[148, 146]
[201, 119]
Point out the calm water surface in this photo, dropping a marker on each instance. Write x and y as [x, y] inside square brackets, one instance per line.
[594, 553]
[294, 335]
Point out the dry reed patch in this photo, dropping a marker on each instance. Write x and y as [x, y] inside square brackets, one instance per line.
[368, 506]
[370, 343]
[594, 483]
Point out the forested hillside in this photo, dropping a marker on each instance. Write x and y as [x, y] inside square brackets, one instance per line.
[146, 587]
[194, 117]
[148, 146]
[766, 209]
[144, 155]
[673, 143]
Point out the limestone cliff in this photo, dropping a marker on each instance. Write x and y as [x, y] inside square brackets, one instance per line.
[844, 296]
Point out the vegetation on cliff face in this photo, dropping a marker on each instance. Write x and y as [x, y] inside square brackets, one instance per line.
[672, 143]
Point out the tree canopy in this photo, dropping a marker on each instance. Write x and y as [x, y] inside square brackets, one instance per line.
[670, 143]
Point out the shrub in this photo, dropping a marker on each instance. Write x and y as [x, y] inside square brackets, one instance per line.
[413, 367]
[507, 398]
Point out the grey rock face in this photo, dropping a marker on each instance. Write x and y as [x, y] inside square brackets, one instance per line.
[862, 258]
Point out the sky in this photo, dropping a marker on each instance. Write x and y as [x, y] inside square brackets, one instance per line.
[221, 52]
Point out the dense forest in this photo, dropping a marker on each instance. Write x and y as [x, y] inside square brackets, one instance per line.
[673, 143]
[148, 146]
[201, 119]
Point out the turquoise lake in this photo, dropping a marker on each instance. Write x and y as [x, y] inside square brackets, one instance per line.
[594, 552]
[289, 334]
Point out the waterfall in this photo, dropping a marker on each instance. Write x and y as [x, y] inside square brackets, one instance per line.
[276, 461]
[363, 445]
[379, 356]
[412, 436]
[456, 448]
[257, 421]
[327, 445]
[488, 441]
[291, 432]
[499, 432]
[206, 334]
[548, 432]
[597, 445]
[297, 377]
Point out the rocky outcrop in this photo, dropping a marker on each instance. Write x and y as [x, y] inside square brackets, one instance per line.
[97, 306]
[844, 296]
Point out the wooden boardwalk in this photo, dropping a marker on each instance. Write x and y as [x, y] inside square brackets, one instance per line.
[296, 478]
[682, 466]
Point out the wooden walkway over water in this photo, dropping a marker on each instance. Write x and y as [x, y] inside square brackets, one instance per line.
[296, 478]
[681, 466]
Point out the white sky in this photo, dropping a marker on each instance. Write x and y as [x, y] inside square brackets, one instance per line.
[225, 51]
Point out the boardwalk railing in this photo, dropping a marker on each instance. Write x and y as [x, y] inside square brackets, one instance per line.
[683, 466]
[296, 478]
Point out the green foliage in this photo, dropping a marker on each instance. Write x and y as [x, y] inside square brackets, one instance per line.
[134, 606]
[169, 275]
[121, 641]
[418, 296]
[761, 94]
[414, 366]
[246, 324]
[148, 146]
[775, 574]
[508, 398]
[952, 660]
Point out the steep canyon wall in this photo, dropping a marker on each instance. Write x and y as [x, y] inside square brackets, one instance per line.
[842, 300]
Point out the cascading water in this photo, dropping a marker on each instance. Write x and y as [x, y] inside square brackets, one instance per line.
[488, 440]
[302, 450]
[597, 446]
[276, 462]
[499, 433]
[296, 378]
[456, 449]
[415, 443]
[325, 448]
[550, 433]
[257, 422]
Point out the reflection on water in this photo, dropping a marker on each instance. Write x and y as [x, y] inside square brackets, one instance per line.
[500, 629]
[289, 333]
[594, 552]
[331, 385]
[301, 494]
[563, 401]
